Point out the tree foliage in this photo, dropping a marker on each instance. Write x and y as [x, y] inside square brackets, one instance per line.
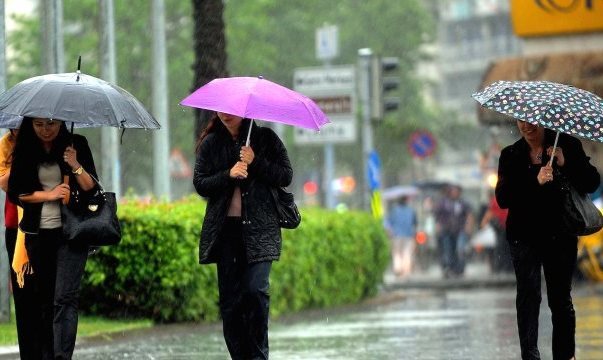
[264, 37]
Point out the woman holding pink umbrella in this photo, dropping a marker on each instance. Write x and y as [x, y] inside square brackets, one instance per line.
[241, 231]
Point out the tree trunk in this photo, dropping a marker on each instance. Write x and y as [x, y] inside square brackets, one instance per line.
[210, 49]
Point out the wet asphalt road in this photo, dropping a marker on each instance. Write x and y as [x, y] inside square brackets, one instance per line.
[419, 324]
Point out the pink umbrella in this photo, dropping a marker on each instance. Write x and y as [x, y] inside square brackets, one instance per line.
[257, 98]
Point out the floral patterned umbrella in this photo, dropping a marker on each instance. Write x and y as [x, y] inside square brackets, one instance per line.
[559, 107]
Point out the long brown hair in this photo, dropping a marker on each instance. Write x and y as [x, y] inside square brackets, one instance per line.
[212, 124]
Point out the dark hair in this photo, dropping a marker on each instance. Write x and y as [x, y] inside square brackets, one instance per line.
[212, 125]
[215, 125]
[29, 148]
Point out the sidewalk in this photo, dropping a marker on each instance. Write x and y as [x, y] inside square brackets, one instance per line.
[477, 274]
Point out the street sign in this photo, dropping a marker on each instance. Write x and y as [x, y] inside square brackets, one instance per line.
[333, 90]
[374, 171]
[338, 131]
[325, 81]
[421, 144]
[327, 44]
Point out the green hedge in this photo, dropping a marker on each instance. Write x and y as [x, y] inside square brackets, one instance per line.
[154, 272]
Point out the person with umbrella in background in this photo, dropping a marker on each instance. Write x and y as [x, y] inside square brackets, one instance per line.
[401, 225]
[241, 231]
[45, 152]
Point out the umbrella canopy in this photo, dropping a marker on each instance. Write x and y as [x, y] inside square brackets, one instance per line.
[399, 191]
[81, 99]
[257, 98]
[559, 107]
[9, 121]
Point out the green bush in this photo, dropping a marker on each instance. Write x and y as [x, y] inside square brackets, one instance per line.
[154, 272]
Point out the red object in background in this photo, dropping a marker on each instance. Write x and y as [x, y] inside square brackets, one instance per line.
[348, 184]
[310, 187]
[11, 220]
[421, 237]
[498, 213]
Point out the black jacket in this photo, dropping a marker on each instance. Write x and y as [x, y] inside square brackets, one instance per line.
[533, 208]
[270, 168]
[24, 180]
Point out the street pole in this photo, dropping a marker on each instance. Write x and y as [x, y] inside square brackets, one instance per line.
[4, 266]
[160, 110]
[52, 17]
[110, 162]
[365, 58]
[329, 169]
[327, 49]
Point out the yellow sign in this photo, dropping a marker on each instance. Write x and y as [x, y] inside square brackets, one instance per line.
[549, 17]
[377, 204]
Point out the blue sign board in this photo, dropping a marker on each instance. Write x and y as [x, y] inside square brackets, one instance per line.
[421, 144]
[374, 171]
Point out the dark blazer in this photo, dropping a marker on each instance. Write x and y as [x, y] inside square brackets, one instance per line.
[24, 180]
[270, 168]
[535, 208]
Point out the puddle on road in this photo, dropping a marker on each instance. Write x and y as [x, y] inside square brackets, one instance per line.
[456, 325]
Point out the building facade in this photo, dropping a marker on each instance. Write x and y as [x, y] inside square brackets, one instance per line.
[470, 35]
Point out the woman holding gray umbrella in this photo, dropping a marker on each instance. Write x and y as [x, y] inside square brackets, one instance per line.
[527, 186]
[241, 231]
[49, 165]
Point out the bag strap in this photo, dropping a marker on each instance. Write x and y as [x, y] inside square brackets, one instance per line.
[100, 186]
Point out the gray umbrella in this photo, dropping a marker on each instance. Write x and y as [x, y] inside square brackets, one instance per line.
[82, 99]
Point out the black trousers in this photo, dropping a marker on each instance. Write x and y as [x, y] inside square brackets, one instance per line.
[244, 297]
[556, 255]
[24, 300]
[58, 271]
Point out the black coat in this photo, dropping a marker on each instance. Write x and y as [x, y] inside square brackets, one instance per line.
[535, 208]
[270, 168]
[24, 180]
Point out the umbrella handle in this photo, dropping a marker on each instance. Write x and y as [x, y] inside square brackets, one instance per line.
[554, 148]
[66, 181]
[249, 133]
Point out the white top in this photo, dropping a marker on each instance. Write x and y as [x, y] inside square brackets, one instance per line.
[50, 176]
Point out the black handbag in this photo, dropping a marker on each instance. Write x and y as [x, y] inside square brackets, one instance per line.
[92, 221]
[288, 214]
[580, 216]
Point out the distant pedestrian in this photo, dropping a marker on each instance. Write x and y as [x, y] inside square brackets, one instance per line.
[401, 223]
[496, 217]
[453, 220]
[241, 231]
[527, 187]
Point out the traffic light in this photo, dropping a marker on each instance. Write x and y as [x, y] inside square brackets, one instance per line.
[384, 81]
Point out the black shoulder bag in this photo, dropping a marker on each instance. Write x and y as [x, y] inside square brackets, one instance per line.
[288, 214]
[580, 216]
[92, 220]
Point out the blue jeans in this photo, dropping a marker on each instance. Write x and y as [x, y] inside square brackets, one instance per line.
[452, 252]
